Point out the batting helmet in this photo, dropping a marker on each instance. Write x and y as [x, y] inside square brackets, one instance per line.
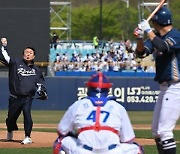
[163, 17]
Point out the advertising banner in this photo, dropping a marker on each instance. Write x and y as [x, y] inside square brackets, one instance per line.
[135, 94]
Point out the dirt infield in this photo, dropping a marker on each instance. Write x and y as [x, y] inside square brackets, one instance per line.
[46, 139]
[42, 139]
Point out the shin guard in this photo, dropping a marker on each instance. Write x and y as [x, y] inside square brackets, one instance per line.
[57, 148]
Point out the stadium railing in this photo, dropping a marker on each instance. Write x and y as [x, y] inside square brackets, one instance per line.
[118, 74]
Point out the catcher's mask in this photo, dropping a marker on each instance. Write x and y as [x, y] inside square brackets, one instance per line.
[98, 83]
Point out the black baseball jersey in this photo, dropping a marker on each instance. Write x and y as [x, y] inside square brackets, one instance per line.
[167, 62]
[23, 78]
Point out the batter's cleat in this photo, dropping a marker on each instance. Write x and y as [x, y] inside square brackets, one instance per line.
[27, 140]
[9, 136]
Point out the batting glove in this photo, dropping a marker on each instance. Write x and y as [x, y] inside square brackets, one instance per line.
[144, 25]
[139, 33]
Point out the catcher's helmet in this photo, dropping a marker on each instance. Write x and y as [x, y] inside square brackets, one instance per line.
[163, 16]
[98, 84]
[100, 81]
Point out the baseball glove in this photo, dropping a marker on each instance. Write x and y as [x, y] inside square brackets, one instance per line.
[41, 91]
[42, 95]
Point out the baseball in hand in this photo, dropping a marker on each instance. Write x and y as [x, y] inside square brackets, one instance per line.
[4, 41]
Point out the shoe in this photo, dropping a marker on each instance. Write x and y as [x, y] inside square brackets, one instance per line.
[9, 136]
[62, 152]
[27, 140]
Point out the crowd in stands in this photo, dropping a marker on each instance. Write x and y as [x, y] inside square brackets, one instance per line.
[117, 59]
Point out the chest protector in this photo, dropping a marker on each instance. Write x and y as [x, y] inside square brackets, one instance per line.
[98, 103]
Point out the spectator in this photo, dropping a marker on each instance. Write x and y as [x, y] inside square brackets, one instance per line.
[128, 45]
[133, 64]
[57, 65]
[64, 57]
[116, 66]
[79, 58]
[111, 66]
[139, 67]
[96, 60]
[54, 41]
[73, 58]
[103, 66]
[57, 57]
[95, 42]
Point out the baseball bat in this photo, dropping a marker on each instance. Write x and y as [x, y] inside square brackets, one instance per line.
[156, 9]
[154, 12]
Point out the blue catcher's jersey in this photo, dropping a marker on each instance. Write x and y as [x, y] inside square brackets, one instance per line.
[167, 63]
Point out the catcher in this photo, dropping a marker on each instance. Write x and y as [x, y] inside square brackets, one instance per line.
[96, 124]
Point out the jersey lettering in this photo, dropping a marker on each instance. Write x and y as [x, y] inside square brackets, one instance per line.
[25, 72]
[92, 116]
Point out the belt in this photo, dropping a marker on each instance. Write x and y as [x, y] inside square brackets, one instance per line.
[112, 146]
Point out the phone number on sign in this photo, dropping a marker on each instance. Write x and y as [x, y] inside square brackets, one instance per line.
[142, 99]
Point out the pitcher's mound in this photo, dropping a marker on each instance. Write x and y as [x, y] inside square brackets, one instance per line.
[40, 139]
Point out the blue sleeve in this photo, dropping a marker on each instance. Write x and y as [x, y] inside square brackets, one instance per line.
[173, 41]
[148, 47]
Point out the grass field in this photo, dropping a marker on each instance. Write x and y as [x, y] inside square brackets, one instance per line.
[53, 117]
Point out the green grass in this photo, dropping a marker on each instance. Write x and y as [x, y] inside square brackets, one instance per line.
[147, 134]
[140, 117]
[39, 116]
[143, 134]
[149, 149]
[53, 117]
[26, 151]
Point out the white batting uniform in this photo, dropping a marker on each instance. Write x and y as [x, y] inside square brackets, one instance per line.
[83, 114]
[167, 111]
[167, 108]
